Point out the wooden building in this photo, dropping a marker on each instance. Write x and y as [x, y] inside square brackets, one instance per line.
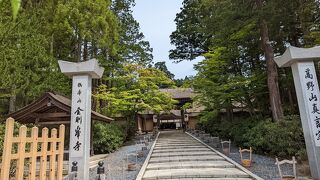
[51, 110]
[174, 119]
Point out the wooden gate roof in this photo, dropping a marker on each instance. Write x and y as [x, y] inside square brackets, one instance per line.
[50, 108]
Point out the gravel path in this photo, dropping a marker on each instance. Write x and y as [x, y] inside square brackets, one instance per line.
[262, 166]
[116, 162]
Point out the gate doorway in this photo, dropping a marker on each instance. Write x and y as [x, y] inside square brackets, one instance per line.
[170, 124]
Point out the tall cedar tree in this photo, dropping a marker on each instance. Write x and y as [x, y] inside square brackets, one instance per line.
[249, 30]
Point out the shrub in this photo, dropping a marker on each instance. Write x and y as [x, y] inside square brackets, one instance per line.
[2, 131]
[283, 139]
[107, 137]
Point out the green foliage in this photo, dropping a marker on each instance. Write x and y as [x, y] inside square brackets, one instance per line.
[282, 139]
[90, 24]
[184, 83]
[189, 38]
[226, 33]
[221, 86]
[132, 46]
[2, 133]
[74, 30]
[162, 67]
[136, 89]
[107, 137]
[27, 67]
[15, 4]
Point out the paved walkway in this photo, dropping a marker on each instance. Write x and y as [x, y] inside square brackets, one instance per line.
[177, 155]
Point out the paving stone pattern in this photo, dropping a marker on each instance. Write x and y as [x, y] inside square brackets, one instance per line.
[178, 156]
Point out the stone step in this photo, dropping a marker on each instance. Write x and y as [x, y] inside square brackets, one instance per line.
[194, 153]
[203, 149]
[176, 143]
[195, 173]
[190, 164]
[179, 156]
[169, 145]
[177, 148]
[185, 158]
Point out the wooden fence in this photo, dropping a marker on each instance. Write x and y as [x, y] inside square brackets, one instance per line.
[37, 148]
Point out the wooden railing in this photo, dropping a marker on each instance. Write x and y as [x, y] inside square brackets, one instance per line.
[54, 154]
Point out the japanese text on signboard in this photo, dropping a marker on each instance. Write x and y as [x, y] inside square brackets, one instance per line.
[78, 118]
[312, 94]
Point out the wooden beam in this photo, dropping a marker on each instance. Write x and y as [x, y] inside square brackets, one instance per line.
[50, 115]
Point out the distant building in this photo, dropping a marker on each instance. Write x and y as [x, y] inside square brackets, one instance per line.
[174, 119]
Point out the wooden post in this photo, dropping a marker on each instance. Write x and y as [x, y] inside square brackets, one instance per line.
[21, 152]
[61, 152]
[7, 144]
[53, 148]
[44, 149]
[34, 151]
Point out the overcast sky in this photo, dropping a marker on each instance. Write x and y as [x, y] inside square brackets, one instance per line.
[156, 19]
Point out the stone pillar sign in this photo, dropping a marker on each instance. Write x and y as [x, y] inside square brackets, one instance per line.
[80, 123]
[307, 89]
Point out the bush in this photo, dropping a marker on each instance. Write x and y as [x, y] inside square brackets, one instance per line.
[283, 139]
[2, 131]
[107, 137]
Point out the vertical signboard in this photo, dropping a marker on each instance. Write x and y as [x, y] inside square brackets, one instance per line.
[310, 91]
[80, 124]
[307, 89]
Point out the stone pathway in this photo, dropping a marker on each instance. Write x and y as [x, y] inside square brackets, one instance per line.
[177, 155]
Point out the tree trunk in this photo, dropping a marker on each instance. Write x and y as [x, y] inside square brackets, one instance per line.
[250, 106]
[85, 51]
[78, 47]
[51, 44]
[12, 103]
[272, 73]
[229, 111]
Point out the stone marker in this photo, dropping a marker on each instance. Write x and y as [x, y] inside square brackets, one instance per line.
[80, 123]
[306, 84]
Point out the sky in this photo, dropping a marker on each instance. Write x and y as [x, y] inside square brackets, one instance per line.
[156, 19]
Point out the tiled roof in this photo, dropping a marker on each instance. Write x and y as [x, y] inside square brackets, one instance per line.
[180, 93]
[58, 103]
